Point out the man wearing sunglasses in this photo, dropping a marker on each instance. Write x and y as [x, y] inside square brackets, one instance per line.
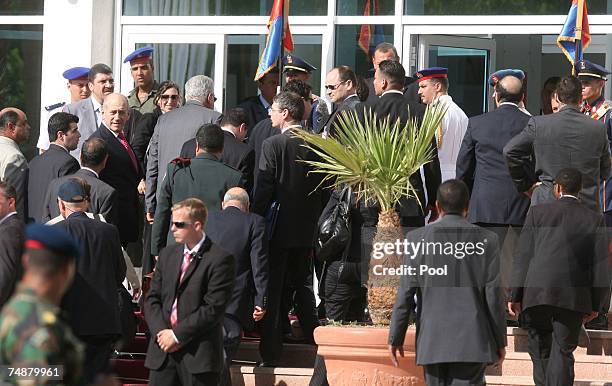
[341, 87]
[184, 308]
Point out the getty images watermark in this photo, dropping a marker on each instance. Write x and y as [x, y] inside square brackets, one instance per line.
[435, 253]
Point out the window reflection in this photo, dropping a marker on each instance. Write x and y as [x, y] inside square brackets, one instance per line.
[218, 7]
[499, 7]
[355, 45]
[20, 7]
[365, 7]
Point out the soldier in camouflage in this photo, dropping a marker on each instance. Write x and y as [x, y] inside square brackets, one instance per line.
[32, 333]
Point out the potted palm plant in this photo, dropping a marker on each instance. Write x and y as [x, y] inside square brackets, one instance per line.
[374, 156]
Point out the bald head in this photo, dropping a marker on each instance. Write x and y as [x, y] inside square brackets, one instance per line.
[236, 197]
[509, 89]
[115, 112]
[14, 124]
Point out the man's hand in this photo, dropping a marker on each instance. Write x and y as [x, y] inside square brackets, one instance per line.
[150, 217]
[515, 308]
[393, 354]
[588, 317]
[258, 313]
[529, 192]
[141, 187]
[502, 355]
[165, 340]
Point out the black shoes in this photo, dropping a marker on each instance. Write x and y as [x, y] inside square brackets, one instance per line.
[599, 323]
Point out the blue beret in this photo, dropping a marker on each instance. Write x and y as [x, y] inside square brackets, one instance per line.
[76, 73]
[140, 53]
[72, 191]
[431, 72]
[500, 74]
[53, 238]
[291, 62]
[588, 69]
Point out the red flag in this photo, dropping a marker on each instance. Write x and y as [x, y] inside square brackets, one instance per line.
[365, 33]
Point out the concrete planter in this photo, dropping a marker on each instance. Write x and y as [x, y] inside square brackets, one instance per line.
[359, 356]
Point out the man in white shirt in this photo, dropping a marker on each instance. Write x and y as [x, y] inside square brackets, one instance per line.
[433, 89]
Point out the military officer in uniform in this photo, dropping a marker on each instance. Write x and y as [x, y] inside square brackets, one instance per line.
[77, 85]
[141, 68]
[593, 78]
[32, 333]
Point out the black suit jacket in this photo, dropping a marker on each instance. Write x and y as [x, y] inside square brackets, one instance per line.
[141, 133]
[287, 181]
[256, 112]
[92, 300]
[262, 131]
[244, 236]
[235, 154]
[349, 104]
[102, 197]
[395, 105]
[121, 175]
[482, 166]
[203, 295]
[562, 258]
[53, 163]
[12, 237]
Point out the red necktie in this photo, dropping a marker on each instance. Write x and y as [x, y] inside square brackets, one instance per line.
[174, 313]
[125, 144]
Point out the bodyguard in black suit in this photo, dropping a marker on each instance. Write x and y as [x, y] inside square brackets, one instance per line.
[561, 277]
[122, 170]
[341, 86]
[285, 180]
[494, 201]
[184, 308]
[389, 83]
[243, 234]
[91, 303]
[236, 153]
[55, 162]
[257, 106]
[102, 196]
[203, 177]
[460, 312]
[12, 236]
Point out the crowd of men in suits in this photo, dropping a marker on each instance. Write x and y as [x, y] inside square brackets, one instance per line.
[226, 210]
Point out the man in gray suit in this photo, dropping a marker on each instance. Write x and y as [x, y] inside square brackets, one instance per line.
[565, 139]
[101, 83]
[173, 129]
[460, 315]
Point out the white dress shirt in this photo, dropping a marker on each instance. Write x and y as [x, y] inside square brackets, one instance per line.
[454, 126]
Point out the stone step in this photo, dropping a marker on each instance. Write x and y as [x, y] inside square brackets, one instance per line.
[496, 380]
[600, 342]
[249, 375]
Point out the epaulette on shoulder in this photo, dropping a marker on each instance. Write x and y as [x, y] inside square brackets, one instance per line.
[603, 109]
[55, 106]
[181, 162]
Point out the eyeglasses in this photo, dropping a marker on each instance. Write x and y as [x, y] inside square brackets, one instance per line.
[332, 87]
[171, 97]
[181, 224]
[275, 110]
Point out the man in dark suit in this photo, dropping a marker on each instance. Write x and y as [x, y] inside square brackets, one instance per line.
[92, 301]
[494, 201]
[460, 312]
[55, 162]
[257, 106]
[561, 277]
[243, 234]
[389, 83]
[285, 180]
[102, 196]
[203, 177]
[122, 170]
[341, 86]
[184, 308]
[566, 138]
[236, 153]
[12, 235]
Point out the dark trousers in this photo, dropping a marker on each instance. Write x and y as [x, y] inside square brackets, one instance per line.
[173, 372]
[459, 374]
[294, 266]
[553, 337]
[98, 350]
[344, 296]
[232, 331]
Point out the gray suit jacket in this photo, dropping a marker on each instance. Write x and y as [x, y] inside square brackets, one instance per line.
[460, 312]
[87, 121]
[172, 130]
[564, 139]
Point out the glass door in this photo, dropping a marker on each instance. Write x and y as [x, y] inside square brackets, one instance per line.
[469, 61]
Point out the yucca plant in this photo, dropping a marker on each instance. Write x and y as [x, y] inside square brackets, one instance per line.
[376, 157]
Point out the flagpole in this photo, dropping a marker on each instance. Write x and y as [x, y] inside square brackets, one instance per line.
[578, 41]
[281, 51]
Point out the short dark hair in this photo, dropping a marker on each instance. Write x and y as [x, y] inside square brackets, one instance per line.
[93, 152]
[386, 47]
[548, 90]
[10, 116]
[60, 122]
[298, 87]
[98, 68]
[235, 117]
[569, 90]
[291, 102]
[453, 196]
[361, 89]
[210, 137]
[570, 180]
[442, 81]
[393, 71]
[8, 190]
[506, 96]
[345, 73]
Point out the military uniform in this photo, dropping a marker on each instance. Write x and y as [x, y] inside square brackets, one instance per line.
[146, 106]
[32, 334]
